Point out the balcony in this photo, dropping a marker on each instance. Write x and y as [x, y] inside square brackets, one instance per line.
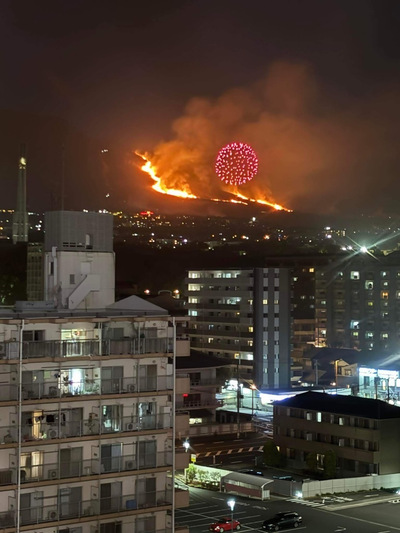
[181, 460]
[204, 402]
[87, 508]
[55, 349]
[87, 467]
[67, 388]
[181, 497]
[43, 431]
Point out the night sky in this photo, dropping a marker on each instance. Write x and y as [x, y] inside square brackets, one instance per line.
[311, 85]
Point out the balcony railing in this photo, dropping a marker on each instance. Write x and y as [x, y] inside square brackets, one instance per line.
[59, 349]
[86, 467]
[67, 388]
[70, 510]
[43, 430]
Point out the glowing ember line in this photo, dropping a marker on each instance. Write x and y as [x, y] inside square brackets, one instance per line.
[264, 202]
[151, 171]
[163, 189]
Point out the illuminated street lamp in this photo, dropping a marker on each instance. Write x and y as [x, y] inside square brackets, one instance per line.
[231, 505]
[253, 388]
[186, 445]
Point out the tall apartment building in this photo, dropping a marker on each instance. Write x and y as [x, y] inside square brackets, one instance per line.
[358, 303]
[87, 407]
[243, 314]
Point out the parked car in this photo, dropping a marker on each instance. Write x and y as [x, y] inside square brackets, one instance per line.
[251, 472]
[285, 478]
[225, 524]
[282, 521]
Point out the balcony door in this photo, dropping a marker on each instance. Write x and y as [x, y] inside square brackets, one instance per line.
[146, 524]
[111, 457]
[111, 379]
[146, 492]
[32, 507]
[147, 454]
[111, 418]
[70, 502]
[71, 462]
[110, 497]
[148, 377]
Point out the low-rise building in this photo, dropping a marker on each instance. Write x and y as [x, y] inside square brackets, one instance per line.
[363, 433]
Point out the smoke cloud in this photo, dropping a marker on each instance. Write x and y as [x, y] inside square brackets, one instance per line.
[318, 151]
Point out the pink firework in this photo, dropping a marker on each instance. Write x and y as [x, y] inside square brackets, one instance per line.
[236, 163]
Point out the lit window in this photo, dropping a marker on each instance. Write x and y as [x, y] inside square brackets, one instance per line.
[265, 302]
[369, 285]
[369, 334]
[355, 274]
[250, 329]
[384, 274]
[370, 303]
[384, 295]
[311, 269]
[319, 417]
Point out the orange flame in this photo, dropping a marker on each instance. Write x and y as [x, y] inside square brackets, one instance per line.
[158, 186]
[180, 193]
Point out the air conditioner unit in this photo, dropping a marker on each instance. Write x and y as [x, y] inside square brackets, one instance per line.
[52, 515]
[130, 426]
[53, 474]
[129, 465]
[53, 433]
[131, 388]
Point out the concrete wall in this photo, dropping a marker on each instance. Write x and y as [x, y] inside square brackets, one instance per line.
[332, 486]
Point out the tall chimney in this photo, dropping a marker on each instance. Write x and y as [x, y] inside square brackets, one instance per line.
[20, 218]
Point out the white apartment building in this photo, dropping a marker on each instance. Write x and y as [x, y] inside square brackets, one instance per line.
[243, 314]
[87, 401]
[86, 431]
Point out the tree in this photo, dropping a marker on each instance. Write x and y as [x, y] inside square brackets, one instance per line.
[329, 464]
[190, 473]
[272, 456]
[312, 463]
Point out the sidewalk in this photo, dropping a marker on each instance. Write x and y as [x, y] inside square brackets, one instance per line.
[357, 499]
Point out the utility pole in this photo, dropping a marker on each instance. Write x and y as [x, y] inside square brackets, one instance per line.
[238, 399]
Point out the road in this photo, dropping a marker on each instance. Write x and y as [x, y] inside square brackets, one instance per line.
[206, 506]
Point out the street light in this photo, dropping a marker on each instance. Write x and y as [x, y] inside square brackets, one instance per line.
[253, 388]
[186, 445]
[231, 505]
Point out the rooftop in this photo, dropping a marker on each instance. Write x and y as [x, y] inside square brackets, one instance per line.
[344, 405]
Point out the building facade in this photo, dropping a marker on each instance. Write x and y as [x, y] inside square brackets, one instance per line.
[79, 261]
[87, 436]
[357, 303]
[87, 403]
[243, 315]
[363, 433]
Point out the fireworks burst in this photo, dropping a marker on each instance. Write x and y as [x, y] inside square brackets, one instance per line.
[236, 163]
